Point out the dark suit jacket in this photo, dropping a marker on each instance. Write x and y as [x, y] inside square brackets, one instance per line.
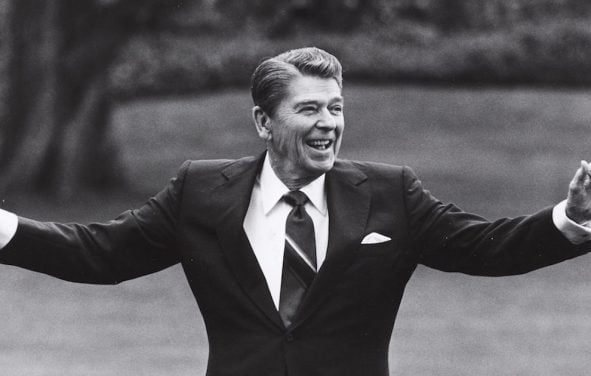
[346, 320]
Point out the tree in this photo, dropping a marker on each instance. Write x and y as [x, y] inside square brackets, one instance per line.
[56, 108]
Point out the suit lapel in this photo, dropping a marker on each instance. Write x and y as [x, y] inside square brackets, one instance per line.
[348, 207]
[234, 198]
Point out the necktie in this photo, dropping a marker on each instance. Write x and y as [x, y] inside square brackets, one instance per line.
[299, 260]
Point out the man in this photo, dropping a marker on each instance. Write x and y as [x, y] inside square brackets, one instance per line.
[299, 260]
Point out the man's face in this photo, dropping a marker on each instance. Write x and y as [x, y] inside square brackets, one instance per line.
[305, 131]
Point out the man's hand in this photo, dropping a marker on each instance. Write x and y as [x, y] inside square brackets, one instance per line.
[578, 202]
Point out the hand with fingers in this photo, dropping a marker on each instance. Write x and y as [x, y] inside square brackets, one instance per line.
[578, 202]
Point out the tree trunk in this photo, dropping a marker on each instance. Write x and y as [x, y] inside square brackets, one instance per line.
[31, 93]
[55, 137]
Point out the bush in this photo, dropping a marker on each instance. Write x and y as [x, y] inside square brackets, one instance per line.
[556, 53]
[553, 53]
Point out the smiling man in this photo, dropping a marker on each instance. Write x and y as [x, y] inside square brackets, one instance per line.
[298, 260]
[303, 130]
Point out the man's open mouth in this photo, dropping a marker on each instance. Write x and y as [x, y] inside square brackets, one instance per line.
[319, 144]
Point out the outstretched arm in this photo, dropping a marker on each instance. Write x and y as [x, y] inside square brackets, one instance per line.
[450, 239]
[136, 243]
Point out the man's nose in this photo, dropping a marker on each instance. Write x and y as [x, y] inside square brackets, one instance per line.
[326, 120]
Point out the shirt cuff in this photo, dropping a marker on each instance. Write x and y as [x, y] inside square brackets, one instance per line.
[8, 225]
[574, 232]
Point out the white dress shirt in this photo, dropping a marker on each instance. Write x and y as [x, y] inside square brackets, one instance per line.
[265, 219]
[8, 225]
[264, 224]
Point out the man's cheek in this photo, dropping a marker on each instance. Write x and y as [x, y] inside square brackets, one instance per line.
[294, 144]
[284, 144]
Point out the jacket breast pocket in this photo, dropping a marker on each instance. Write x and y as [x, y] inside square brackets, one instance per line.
[384, 249]
[372, 269]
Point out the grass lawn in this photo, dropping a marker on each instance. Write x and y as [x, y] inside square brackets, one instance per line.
[497, 152]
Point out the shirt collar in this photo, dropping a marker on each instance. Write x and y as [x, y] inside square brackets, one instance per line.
[272, 189]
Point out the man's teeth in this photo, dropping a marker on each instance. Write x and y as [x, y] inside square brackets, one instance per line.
[320, 144]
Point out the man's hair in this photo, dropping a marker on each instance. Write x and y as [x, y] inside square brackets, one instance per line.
[271, 78]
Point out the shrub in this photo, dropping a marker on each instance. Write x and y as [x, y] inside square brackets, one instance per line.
[556, 53]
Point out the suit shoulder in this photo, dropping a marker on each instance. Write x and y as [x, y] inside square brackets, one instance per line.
[211, 172]
[204, 166]
[377, 170]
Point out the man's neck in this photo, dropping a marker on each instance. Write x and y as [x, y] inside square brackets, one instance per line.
[291, 180]
[296, 184]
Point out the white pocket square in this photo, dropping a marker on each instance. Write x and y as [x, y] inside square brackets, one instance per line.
[375, 238]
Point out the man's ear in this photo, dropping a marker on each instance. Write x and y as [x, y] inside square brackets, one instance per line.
[262, 122]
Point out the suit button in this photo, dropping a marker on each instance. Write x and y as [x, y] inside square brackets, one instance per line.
[289, 337]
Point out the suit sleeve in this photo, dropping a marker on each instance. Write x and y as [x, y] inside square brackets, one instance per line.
[448, 239]
[136, 243]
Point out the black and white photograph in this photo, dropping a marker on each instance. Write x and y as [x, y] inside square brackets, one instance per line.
[295, 187]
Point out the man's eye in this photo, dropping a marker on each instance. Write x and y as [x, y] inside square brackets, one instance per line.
[336, 109]
[309, 109]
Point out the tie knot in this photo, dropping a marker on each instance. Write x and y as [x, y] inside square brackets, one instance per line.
[295, 198]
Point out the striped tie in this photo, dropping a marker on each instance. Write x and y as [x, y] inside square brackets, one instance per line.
[299, 260]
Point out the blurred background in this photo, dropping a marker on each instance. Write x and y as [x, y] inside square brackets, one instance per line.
[102, 100]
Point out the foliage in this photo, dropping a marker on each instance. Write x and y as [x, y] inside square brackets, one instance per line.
[186, 46]
[56, 105]
[554, 52]
[63, 61]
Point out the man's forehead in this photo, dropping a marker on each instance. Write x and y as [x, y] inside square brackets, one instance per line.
[312, 88]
